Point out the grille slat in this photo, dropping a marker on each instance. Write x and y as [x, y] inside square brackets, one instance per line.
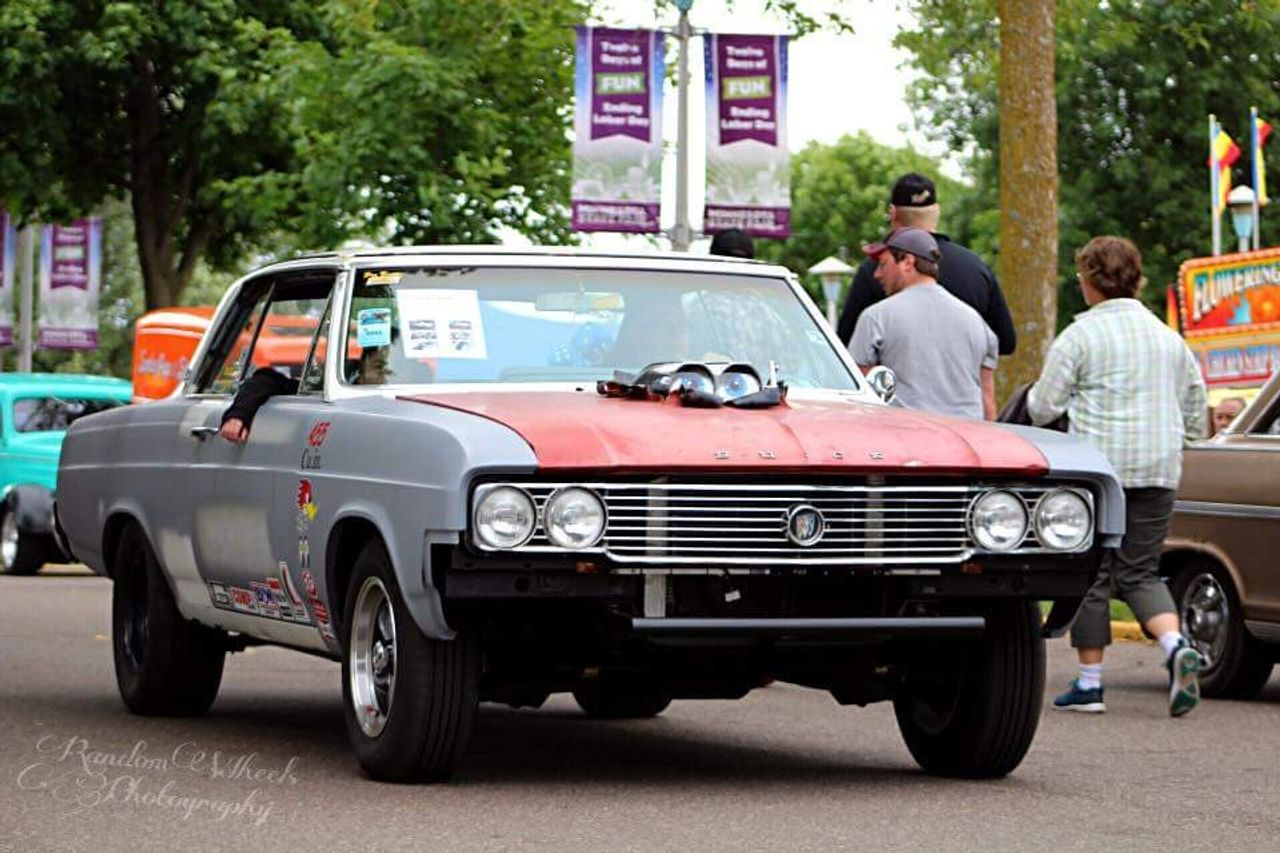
[719, 525]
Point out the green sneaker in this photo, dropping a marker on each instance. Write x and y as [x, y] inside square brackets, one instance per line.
[1184, 686]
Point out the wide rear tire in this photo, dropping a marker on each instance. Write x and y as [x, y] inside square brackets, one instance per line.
[1236, 664]
[166, 666]
[409, 700]
[978, 719]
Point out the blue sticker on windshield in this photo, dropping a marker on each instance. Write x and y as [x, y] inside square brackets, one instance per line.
[373, 327]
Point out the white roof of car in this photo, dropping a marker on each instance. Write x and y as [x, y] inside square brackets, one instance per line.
[560, 256]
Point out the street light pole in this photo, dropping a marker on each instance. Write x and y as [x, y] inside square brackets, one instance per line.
[682, 233]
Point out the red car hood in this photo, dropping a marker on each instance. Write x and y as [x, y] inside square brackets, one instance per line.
[582, 430]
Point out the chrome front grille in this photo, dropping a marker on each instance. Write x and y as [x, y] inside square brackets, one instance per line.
[710, 525]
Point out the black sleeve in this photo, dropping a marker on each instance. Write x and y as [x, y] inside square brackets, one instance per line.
[264, 384]
[997, 315]
[863, 293]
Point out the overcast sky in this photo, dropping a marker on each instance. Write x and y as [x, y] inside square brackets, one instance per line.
[839, 84]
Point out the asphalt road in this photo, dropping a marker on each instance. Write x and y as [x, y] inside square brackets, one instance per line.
[784, 769]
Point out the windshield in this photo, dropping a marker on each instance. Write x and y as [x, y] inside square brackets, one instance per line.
[447, 325]
[46, 414]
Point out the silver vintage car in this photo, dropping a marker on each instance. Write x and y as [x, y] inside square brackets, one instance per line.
[510, 473]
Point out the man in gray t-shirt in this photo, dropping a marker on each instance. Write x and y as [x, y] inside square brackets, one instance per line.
[940, 349]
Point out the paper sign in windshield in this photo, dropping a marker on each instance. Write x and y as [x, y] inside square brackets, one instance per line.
[373, 327]
[441, 324]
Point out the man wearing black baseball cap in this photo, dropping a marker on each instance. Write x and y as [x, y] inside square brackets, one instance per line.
[914, 203]
[940, 350]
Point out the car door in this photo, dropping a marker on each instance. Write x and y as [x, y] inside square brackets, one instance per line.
[1230, 498]
[235, 487]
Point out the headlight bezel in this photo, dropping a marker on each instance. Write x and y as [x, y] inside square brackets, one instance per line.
[971, 517]
[1086, 537]
[484, 493]
[544, 518]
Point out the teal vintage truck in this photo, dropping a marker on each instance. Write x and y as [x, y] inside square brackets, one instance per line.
[35, 411]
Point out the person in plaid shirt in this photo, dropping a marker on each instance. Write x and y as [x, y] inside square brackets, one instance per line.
[1130, 385]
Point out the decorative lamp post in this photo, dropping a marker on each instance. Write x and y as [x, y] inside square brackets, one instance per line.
[832, 271]
[1240, 203]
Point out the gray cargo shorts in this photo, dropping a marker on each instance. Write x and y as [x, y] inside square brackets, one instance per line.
[1130, 571]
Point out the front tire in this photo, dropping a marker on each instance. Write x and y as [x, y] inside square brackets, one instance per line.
[977, 719]
[165, 665]
[1235, 664]
[409, 700]
[20, 553]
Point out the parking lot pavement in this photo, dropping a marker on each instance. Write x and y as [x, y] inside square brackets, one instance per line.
[784, 769]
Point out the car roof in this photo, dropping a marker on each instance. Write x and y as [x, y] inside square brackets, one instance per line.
[537, 255]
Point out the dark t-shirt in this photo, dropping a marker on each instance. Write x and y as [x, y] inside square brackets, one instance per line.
[961, 272]
[264, 384]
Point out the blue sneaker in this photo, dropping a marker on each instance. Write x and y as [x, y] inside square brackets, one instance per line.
[1079, 699]
[1184, 683]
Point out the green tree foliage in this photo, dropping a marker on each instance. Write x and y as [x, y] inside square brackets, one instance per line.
[233, 125]
[1136, 81]
[840, 201]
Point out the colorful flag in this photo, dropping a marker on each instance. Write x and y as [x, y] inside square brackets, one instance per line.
[617, 147]
[1223, 153]
[748, 164]
[1259, 131]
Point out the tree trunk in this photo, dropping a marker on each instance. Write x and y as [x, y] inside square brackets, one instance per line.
[163, 181]
[1028, 183]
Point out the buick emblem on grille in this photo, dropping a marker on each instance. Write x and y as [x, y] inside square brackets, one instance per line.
[805, 525]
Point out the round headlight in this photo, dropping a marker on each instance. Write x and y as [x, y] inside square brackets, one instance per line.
[505, 517]
[998, 521]
[1062, 520]
[574, 518]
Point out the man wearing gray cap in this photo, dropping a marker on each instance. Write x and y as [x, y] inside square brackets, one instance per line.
[940, 349]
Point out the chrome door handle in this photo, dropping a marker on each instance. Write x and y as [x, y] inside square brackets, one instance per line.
[203, 432]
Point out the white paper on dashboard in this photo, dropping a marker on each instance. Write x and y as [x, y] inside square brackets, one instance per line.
[441, 324]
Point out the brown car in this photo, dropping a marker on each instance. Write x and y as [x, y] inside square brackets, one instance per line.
[1222, 557]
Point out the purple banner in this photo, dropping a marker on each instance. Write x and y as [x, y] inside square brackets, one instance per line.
[70, 268]
[748, 165]
[620, 83]
[8, 259]
[617, 148]
[748, 74]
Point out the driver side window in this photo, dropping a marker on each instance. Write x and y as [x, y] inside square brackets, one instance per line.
[224, 362]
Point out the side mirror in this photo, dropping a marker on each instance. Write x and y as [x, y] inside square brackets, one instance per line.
[883, 381]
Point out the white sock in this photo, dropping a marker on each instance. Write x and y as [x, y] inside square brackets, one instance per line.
[1090, 676]
[1169, 641]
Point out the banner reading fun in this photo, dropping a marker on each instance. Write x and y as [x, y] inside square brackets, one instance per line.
[748, 165]
[617, 150]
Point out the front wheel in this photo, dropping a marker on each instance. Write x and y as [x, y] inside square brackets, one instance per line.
[977, 717]
[410, 701]
[165, 665]
[20, 553]
[1235, 664]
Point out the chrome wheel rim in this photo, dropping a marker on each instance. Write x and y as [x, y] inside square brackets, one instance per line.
[1206, 616]
[8, 540]
[373, 657]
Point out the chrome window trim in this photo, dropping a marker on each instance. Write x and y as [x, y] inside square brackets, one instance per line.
[1226, 510]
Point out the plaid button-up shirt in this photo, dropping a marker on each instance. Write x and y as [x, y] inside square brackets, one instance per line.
[1130, 385]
